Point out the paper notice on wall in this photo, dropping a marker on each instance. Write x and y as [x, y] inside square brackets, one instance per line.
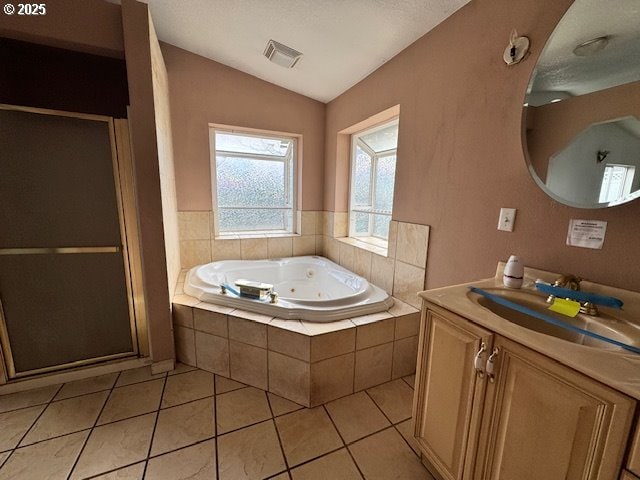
[586, 233]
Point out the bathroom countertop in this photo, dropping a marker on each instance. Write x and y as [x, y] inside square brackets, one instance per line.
[619, 370]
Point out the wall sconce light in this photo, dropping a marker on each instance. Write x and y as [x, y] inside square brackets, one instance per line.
[516, 50]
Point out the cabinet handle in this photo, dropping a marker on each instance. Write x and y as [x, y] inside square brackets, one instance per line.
[491, 365]
[479, 360]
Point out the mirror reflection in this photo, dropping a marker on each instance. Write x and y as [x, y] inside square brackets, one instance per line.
[582, 108]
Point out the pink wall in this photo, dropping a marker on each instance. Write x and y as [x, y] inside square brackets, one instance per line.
[204, 91]
[460, 154]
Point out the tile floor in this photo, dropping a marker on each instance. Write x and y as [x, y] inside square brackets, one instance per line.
[191, 424]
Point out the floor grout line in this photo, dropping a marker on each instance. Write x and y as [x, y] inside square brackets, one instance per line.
[86, 440]
[275, 426]
[343, 440]
[215, 425]
[155, 424]
[32, 424]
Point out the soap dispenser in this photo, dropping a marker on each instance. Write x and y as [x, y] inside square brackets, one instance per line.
[513, 273]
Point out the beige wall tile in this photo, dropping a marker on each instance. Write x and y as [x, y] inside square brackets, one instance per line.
[210, 322]
[280, 247]
[333, 344]
[393, 239]
[319, 245]
[331, 249]
[186, 300]
[289, 343]
[320, 222]
[347, 256]
[212, 353]
[405, 352]
[332, 378]
[375, 333]
[225, 250]
[194, 225]
[185, 345]
[407, 325]
[340, 224]
[412, 244]
[289, 378]
[253, 248]
[327, 224]
[408, 281]
[247, 331]
[362, 264]
[382, 272]
[194, 252]
[253, 452]
[304, 245]
[308, 226]
[248, 364]
[400, 308]
[373, 366]
[182, 315]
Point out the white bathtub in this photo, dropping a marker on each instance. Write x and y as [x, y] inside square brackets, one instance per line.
[309, 288]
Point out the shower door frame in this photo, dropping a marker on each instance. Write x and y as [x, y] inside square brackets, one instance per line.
[124, 184]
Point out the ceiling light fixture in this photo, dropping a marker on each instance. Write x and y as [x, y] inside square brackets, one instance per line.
[281, 54]
[591, 46]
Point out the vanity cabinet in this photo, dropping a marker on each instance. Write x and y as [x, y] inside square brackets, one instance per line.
[634, 454]
[514, 413]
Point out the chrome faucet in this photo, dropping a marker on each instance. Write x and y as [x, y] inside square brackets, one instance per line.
[572, 282]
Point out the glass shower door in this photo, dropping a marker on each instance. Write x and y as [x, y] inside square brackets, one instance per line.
[64, 278]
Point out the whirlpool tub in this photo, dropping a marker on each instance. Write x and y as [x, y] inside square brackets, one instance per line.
[309, 288]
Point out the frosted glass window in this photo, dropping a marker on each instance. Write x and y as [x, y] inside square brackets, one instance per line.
[616, 182]
[373, 170]
[254, 187]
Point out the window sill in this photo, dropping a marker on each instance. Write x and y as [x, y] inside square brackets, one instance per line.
[371, 244]
[241, 236]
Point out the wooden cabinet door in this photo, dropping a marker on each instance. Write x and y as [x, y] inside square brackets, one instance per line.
[625, 475]
[634, 454]
[448, 392]
[543, 420]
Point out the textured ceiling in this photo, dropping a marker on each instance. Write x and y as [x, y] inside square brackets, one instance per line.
[559, 69]
[342, 40]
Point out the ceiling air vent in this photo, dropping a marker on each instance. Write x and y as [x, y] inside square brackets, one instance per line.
[281, 54]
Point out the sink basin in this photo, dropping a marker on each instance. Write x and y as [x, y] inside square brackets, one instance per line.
[608, 325]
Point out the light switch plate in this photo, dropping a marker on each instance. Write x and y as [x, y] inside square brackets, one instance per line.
[507, 219]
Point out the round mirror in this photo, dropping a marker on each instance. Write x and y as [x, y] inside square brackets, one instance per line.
[582, 107]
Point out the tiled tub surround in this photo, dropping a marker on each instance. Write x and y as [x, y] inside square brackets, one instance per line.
[309, 288]
[308, 363]
[199, 245]
[400, 270]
